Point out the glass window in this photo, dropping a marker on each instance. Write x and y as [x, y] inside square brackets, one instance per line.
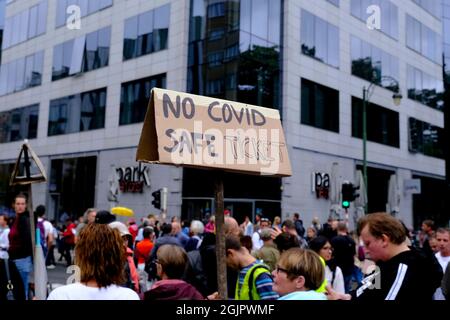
[23, 31]
[90, 53]
[11, 76]
[61, 12]
[259, 18]
[145, 33]
[94, 6]
[3, 79]
[57, 67]
[77, 113]
[161, 27]
[104, 40]
[320, 106]
[425, 138]
[307, 34]
[16, 26]
[425, 88]
[130, 38]
[320, 39]
[32, 25]
[135, 96]
[216, 10]
[77, 54]
[42, 17]
[274, 24]
[383, 126]
[333, 46]
[335, 2]
[20, 74]
[38, 67]
[19, 124]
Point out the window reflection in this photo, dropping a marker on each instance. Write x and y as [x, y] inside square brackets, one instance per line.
[19, 124]
[22, 73]
[319, 39]
[146, 33]
[422, 39]
[83, 54]
[135, 96]
[25, 25]
[234, 50]
[424, 88]
[372, 63]
[76, 113]
[425, 138]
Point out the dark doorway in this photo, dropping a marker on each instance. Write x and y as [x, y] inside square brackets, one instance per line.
[72, 184]
[430, 203]
[378, 185]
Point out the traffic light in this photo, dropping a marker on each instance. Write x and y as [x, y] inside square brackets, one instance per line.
[157, 199]
[348, 194]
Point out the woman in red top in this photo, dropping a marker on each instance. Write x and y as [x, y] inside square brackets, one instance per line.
[68, 240]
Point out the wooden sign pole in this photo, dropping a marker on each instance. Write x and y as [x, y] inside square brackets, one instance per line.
[220, 236]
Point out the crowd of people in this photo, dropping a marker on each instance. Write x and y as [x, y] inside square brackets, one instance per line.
[266, 260]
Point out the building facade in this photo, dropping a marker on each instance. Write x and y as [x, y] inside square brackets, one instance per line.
[78, 90]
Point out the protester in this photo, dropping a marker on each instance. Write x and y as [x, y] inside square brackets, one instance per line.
[298, 274]
[403, 273]
[100, 257]
[269, 252]
[131, 274]
[179, 234]
[256, 238]
[210, 227]
[171, 261]
[4, 232]
[20, 248]
[311, 233]
[144, 248]
[196, 231]
[88, 217]
[443, 240]
[333, 273]
[254, 281]
[247, 226]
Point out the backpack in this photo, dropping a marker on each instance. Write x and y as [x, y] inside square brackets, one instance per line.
[41, 227]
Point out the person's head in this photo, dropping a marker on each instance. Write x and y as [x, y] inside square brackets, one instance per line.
[234, 252]
[264, 223]
[99, 255]
[246, 242]
[257, 217]
[20, 203]
[277, 220]
[285, 240]
[3, 220]
[311, 233]
[381, 233]
[296, 216]
[123, 230]
[40, 211]
[443, 241]
[298, 270]
[289, 227]
[231, 227]
[432, 241]
[174, 219]
[342, 228]
[171, 261]
[266, 235]
[322, 247]
[148, 232]
[166, 228]
[197, 227]
[334, 224]
[315, 221]
[104, 217]
[428, 226]
[89, 215]
[176, 227]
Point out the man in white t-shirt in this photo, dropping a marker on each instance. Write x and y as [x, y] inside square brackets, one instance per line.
[4, 241]
[443, 239]
[256, 238]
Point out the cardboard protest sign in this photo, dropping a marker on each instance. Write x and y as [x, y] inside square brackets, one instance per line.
[197, 131]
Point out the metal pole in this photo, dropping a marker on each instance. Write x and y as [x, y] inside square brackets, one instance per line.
[364, 129]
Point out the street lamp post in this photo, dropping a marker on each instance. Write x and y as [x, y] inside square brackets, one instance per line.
[367, 93]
